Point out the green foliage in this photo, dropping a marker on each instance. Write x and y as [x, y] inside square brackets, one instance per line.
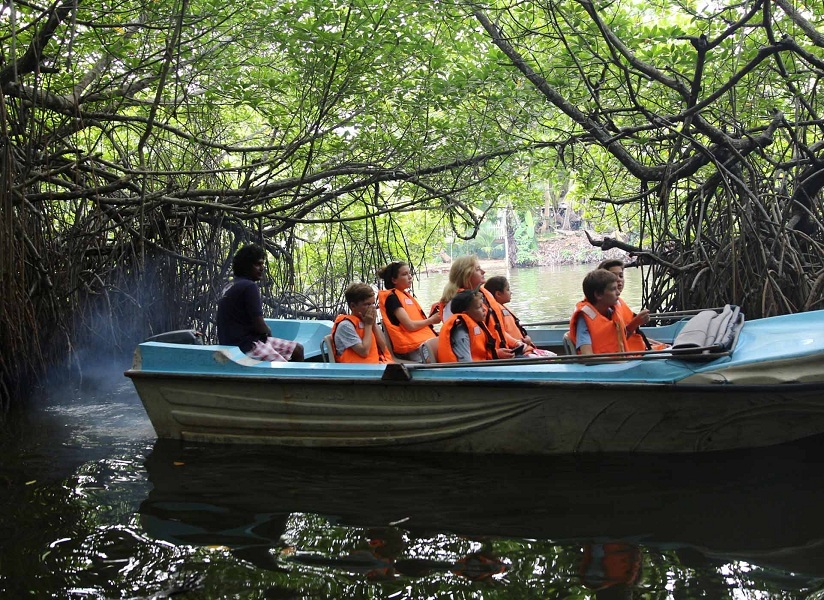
[343, 135]
[486, 243]
[525, 240]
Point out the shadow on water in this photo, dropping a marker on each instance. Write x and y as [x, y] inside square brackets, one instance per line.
[489, 516]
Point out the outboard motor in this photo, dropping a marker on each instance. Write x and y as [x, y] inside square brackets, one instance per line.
[179, 336]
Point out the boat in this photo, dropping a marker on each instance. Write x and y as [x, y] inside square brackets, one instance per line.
[726, 383]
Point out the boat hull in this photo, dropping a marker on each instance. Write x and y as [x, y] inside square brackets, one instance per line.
[484, 417]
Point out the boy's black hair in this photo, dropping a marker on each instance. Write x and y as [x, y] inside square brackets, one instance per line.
[463, 300]
[245, 258]
[611, 262]
[595, 282]
[496, 284]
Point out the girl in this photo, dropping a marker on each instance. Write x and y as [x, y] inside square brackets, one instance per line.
[406, 325]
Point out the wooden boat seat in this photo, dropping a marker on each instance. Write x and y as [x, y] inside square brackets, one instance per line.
[326, 350]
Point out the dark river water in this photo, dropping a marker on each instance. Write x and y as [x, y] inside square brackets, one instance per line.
[92, 506]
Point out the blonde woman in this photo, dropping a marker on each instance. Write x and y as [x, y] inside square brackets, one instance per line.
[464, 274]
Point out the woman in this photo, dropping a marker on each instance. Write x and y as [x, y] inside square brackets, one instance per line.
[464, 274]
[406, 325]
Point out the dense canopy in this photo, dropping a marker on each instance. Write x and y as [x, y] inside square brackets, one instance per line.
[144, 141]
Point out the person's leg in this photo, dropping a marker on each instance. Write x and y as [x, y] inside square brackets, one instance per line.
[297, 354]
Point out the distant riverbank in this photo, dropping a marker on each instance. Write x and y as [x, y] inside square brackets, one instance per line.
[565, 248]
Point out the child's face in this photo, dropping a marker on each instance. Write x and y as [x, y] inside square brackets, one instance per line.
[403, 281]
[477, 310]
[505, 295]
[359, 308]
[619, 273]
[609, 296]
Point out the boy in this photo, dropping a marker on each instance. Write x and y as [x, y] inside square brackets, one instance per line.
[596, 326]
[499, 287]
[355, 337]
[635, 338]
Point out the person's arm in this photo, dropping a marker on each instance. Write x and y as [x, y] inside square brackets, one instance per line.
[259, 325]
[459, 339]
[642, 318]
[504, 352]
[582, 338]
[254, 306]
[415, 324]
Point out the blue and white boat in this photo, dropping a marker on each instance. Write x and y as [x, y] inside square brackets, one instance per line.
[725, 384]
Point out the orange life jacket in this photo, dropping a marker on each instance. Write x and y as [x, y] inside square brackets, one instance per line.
[512, 324]
[481, 341]
[513, 327]
[349, 355]
[495, 321]
[608, 335]
[636, 340]
[403, 340]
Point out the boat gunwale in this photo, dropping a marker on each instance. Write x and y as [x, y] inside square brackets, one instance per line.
[508, 383]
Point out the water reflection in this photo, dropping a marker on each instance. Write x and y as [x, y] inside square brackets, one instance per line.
[597, 526]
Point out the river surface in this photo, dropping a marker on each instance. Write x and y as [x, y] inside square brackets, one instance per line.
[92, 506]
[538, 294]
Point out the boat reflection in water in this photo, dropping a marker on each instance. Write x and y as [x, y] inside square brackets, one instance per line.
[608, 524]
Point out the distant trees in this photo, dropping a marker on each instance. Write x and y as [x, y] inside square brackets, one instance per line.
[142, 143]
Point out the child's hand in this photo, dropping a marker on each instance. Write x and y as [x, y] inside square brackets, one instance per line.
[504, 353]
[369, 315]
[436, 318]
[642, 318]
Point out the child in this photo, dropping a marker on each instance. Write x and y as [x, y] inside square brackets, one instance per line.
[355, 337]
[636, 340]
[498, 286]
[407, 326]
[464, 337]
[240, 312]
[596, 326]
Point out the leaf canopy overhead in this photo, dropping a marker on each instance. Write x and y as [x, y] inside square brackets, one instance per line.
[161, 135]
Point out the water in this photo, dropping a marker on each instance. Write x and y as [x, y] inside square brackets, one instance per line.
[539, 293]
[92, 506]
